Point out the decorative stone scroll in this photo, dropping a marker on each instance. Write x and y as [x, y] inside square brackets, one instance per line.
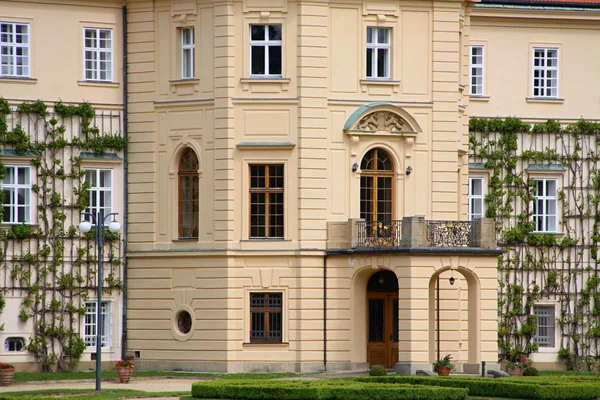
[383, 121]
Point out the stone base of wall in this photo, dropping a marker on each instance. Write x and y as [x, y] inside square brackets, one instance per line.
[238, 367]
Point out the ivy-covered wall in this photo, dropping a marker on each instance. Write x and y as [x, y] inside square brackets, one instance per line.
[48, 265]
[560, 268]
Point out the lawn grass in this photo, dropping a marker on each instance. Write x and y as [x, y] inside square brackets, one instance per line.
[112, 374]
[84, 394]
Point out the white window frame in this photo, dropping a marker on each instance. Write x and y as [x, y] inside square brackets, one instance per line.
[90, 324]
[552, 330]
[476, 70]
[543, 70]
[14, 188]
[374, 46]
[11, 45]
[95, 71]
[267, 44]
[98, 190]
[545, 198]
[188, 53]
[476, 197]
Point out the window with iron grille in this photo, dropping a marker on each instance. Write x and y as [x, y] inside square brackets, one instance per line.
[265, 50]
[266, 317]
[90, 324]
[189, 194]
[545, 205]
[545, 333]
[14, 49]
[476, 71]
[266, 201]
[475, 198]
[100, 191]
[98, 54]
[188, 52]
[14, 344]
[545, 72]
[16, 187]
[378, 53]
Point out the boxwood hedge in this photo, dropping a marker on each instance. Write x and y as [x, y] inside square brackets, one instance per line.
[538, 389]
[321, 390]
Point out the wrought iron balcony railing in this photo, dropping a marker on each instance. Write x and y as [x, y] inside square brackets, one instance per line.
[379, 233]
[449, 233]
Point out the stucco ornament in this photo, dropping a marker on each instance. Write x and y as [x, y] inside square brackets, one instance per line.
[383, 121]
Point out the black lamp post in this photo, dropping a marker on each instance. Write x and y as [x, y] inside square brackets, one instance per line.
[85, 226]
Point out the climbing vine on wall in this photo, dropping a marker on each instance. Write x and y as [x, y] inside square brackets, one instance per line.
[561, 268]
[50, 264]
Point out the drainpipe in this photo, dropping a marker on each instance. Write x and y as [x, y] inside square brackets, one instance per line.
[437, 289]
[125, 190]
[325, 312]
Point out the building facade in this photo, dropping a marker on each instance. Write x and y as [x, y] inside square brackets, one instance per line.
[61, 130]
[298, 180]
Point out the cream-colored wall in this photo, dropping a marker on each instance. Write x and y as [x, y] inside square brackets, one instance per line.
[509, 37]
[56, 49]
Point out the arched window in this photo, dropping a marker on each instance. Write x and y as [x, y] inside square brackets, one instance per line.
[376, 186]
[188, 194]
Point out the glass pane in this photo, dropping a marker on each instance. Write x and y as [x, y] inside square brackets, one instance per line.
[275, 60]
[476, 187]
[370, 35]
[106, 178]
[382, 62]
[258, 60]
[257, 32]
[370, 63]
[376, 320]
[10, 176]
[383, 35]
[274, 32]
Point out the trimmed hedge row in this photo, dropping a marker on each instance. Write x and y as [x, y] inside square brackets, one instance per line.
[321, 390]
[509, 388]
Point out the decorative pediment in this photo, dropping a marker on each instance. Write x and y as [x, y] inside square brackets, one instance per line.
[383, 121]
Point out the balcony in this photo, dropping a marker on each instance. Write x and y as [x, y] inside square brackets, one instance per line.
[411, 232]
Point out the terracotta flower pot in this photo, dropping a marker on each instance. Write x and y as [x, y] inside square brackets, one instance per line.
[6, 376]
[514, 371]
[124, 374]
[443, 371]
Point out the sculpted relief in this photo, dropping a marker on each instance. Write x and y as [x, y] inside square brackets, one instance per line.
[383, 121]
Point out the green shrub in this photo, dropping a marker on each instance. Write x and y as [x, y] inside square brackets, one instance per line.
[531, 371]
[520, 388]
[377, 370]
[322, 390]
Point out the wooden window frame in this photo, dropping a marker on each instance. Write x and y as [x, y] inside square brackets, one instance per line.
[476, 197]
[377, 173]
[544, 197]
[476, 70]
[374, 45]
[267, 190]
[266, 310]
[193, 206]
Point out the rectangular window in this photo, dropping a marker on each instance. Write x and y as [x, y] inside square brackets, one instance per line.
[476, 71]
[545, 205]
[14, 49]
[544, 335]
[100, 191]
[265, 50]
[266, 317]
[266, 201]
[475, 198]
[98, 54]
[90, 326]
[188, 51]
[378, 53]
[545, 72]
[16, 187]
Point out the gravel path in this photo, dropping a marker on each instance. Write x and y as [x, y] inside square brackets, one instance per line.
[147, 385]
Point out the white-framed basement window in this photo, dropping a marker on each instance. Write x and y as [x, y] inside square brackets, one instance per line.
[16, 187]
[15, 55]
[475, 198]
[476, 72]
[188, 52]
[545, 205]
[90, 325]
[98, 54]
[266, 50]
[379, 53]
[545, 72]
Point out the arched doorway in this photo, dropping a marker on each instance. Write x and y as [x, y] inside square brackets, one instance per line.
[382, 340]
[376, 186]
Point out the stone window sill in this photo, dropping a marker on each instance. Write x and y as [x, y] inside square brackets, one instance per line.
[18, 79]
[552, 100]
[479, 98]
[380, 82]
[105, 84]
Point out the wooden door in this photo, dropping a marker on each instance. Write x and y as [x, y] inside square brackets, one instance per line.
[382, 341]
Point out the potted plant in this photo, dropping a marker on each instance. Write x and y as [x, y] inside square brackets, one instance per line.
[7, 373]
[443, 366]
[516, 368]
[124, 370]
